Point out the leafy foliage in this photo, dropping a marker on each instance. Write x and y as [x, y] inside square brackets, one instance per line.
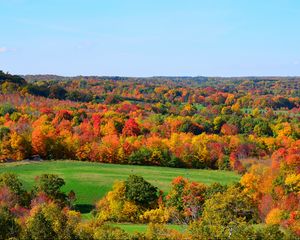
[248, 125]
[51, 184]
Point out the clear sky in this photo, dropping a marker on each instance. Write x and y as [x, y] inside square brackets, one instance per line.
[150, 37]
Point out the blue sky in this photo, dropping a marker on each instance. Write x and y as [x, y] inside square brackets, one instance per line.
[150, 37]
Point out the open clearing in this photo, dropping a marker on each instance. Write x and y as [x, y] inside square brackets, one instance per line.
[131, 228]
[91, 181]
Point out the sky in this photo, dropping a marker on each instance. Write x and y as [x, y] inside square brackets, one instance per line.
[150, 37]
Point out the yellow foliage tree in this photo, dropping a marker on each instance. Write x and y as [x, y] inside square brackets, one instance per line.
[274, 216]
[115, 207]
[17, 147]
[292, 181]
[251, 184]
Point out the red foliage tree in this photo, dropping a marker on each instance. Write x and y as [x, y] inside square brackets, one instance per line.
[131, 128]
[229, 129]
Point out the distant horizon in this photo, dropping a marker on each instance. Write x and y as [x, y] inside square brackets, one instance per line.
[153, 76]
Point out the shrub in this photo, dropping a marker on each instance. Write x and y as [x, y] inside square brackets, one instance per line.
[159, 215]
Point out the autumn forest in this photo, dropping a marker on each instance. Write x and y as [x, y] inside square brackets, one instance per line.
[249, 126]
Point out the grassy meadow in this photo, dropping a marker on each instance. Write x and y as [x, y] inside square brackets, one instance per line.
[91, 181]
[131, 228]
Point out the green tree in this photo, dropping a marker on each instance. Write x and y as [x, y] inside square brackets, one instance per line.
[7, 108]
[14, 184]
[51, 185]
[247, 125]
[263, 129]
[270, 232]
[9, 228]
[39, 228]
[57, 92]
[227, 214]
[213, 189]
[140, 191]
[141, 156]
[4, 131]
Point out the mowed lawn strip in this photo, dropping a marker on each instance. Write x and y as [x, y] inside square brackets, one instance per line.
[132, 228]
[91, 181]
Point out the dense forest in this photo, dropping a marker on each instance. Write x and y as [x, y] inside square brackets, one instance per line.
[249, 125]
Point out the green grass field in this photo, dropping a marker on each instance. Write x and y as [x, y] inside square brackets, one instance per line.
[91, 181]
[131, 228]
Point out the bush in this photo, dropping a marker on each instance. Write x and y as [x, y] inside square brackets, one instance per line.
[159, 215]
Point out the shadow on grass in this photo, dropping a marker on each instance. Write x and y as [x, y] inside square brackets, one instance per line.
[84, 208]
